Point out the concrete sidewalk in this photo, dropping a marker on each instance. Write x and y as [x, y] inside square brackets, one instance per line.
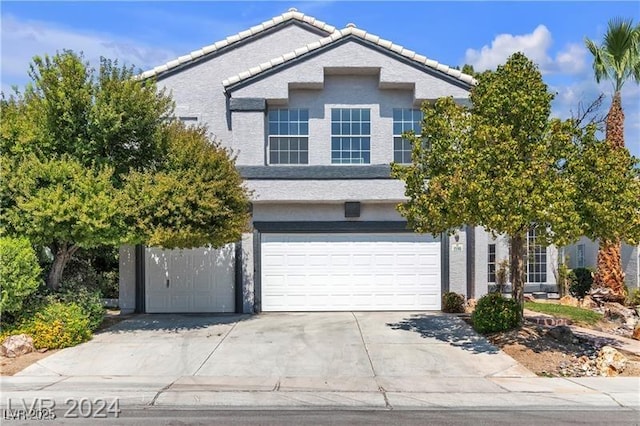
[384, 393]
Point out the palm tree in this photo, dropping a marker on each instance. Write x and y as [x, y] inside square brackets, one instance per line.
[616, 59]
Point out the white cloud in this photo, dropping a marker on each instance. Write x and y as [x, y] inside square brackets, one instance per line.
[535, 46]
[571, 60]
[21, 40]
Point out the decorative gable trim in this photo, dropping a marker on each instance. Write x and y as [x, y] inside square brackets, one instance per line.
[291, 16]
[336, 38]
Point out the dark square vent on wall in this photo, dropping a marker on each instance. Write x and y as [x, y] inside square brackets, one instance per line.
[352, 209]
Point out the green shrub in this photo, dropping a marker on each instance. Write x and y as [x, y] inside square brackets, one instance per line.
[58, 325]
[452, 302]
[89, 301]
[581, 283]
[19, 274]
[95, 270]
[633, 297]
[495, 313]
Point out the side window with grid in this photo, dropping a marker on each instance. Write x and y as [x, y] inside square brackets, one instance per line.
[491, 263]
[350, 136]
[288, 136]
[404, 119]
[537, 262]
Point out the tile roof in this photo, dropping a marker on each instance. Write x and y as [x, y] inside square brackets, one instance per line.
[291, 14]
[337, 35]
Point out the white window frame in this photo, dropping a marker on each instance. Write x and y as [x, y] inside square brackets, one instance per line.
[299, 136]
[341, 134]
[405, 125]
[534, 249]
[491, 263]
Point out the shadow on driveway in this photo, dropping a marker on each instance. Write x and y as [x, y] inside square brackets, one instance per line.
[446, 328]
[173, 323]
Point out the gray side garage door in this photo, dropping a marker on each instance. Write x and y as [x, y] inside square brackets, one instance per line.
[190, 281]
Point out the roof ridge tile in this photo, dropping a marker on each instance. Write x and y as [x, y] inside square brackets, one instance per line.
[291, 14]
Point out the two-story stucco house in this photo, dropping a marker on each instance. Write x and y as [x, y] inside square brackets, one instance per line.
[315, 116]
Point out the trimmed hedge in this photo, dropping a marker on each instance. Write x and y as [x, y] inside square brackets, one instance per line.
[495, 313]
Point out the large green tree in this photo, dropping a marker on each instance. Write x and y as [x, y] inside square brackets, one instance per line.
[617, 59]
[92, 159]
[501, 165]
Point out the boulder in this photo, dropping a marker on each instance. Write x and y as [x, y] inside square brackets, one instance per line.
[588, 303]
[529, 298]
[16, 345]
[569, 301]
[610, 362]
[563, 334]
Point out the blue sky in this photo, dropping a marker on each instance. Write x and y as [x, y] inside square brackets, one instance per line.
[484, 34]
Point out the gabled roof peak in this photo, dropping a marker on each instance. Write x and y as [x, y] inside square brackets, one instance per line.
[341, 34]
[291, 14]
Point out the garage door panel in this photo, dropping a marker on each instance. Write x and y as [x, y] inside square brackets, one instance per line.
[190, 280]
[350, 272]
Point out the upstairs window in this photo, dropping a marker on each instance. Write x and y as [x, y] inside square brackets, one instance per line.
[288, 136]
[404, 120]
[350, 136]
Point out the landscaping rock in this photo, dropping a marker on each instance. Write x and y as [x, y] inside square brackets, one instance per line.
[471, 305]
[617, 311]
[604, 294]
[563, 334]
[569, 301]
[636, 332]
[588, 303]
[529, 298]
[16, 345]
[610, 362]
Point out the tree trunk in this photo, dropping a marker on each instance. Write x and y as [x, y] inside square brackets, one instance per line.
[517, 269]
[615, 123]
[609, 273]
[62, 256]
[609, 268]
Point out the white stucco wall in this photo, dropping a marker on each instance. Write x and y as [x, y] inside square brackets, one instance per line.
[326, 190]
[311, 72]
[197, 90]
[332, 212]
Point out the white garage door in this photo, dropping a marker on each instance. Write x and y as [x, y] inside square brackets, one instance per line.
[342, 272]
[194, 280]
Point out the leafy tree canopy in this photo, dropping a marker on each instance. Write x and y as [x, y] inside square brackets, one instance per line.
[92, 159]
[501, 165]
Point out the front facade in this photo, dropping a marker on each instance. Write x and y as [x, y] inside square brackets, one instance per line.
[315, 116]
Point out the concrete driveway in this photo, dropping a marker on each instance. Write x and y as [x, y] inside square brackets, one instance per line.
[300, 348]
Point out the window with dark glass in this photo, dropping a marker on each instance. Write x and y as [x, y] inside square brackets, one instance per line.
[491, 263]
[537, 260]
[350, 136]
[288, 136]
[404, 120]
